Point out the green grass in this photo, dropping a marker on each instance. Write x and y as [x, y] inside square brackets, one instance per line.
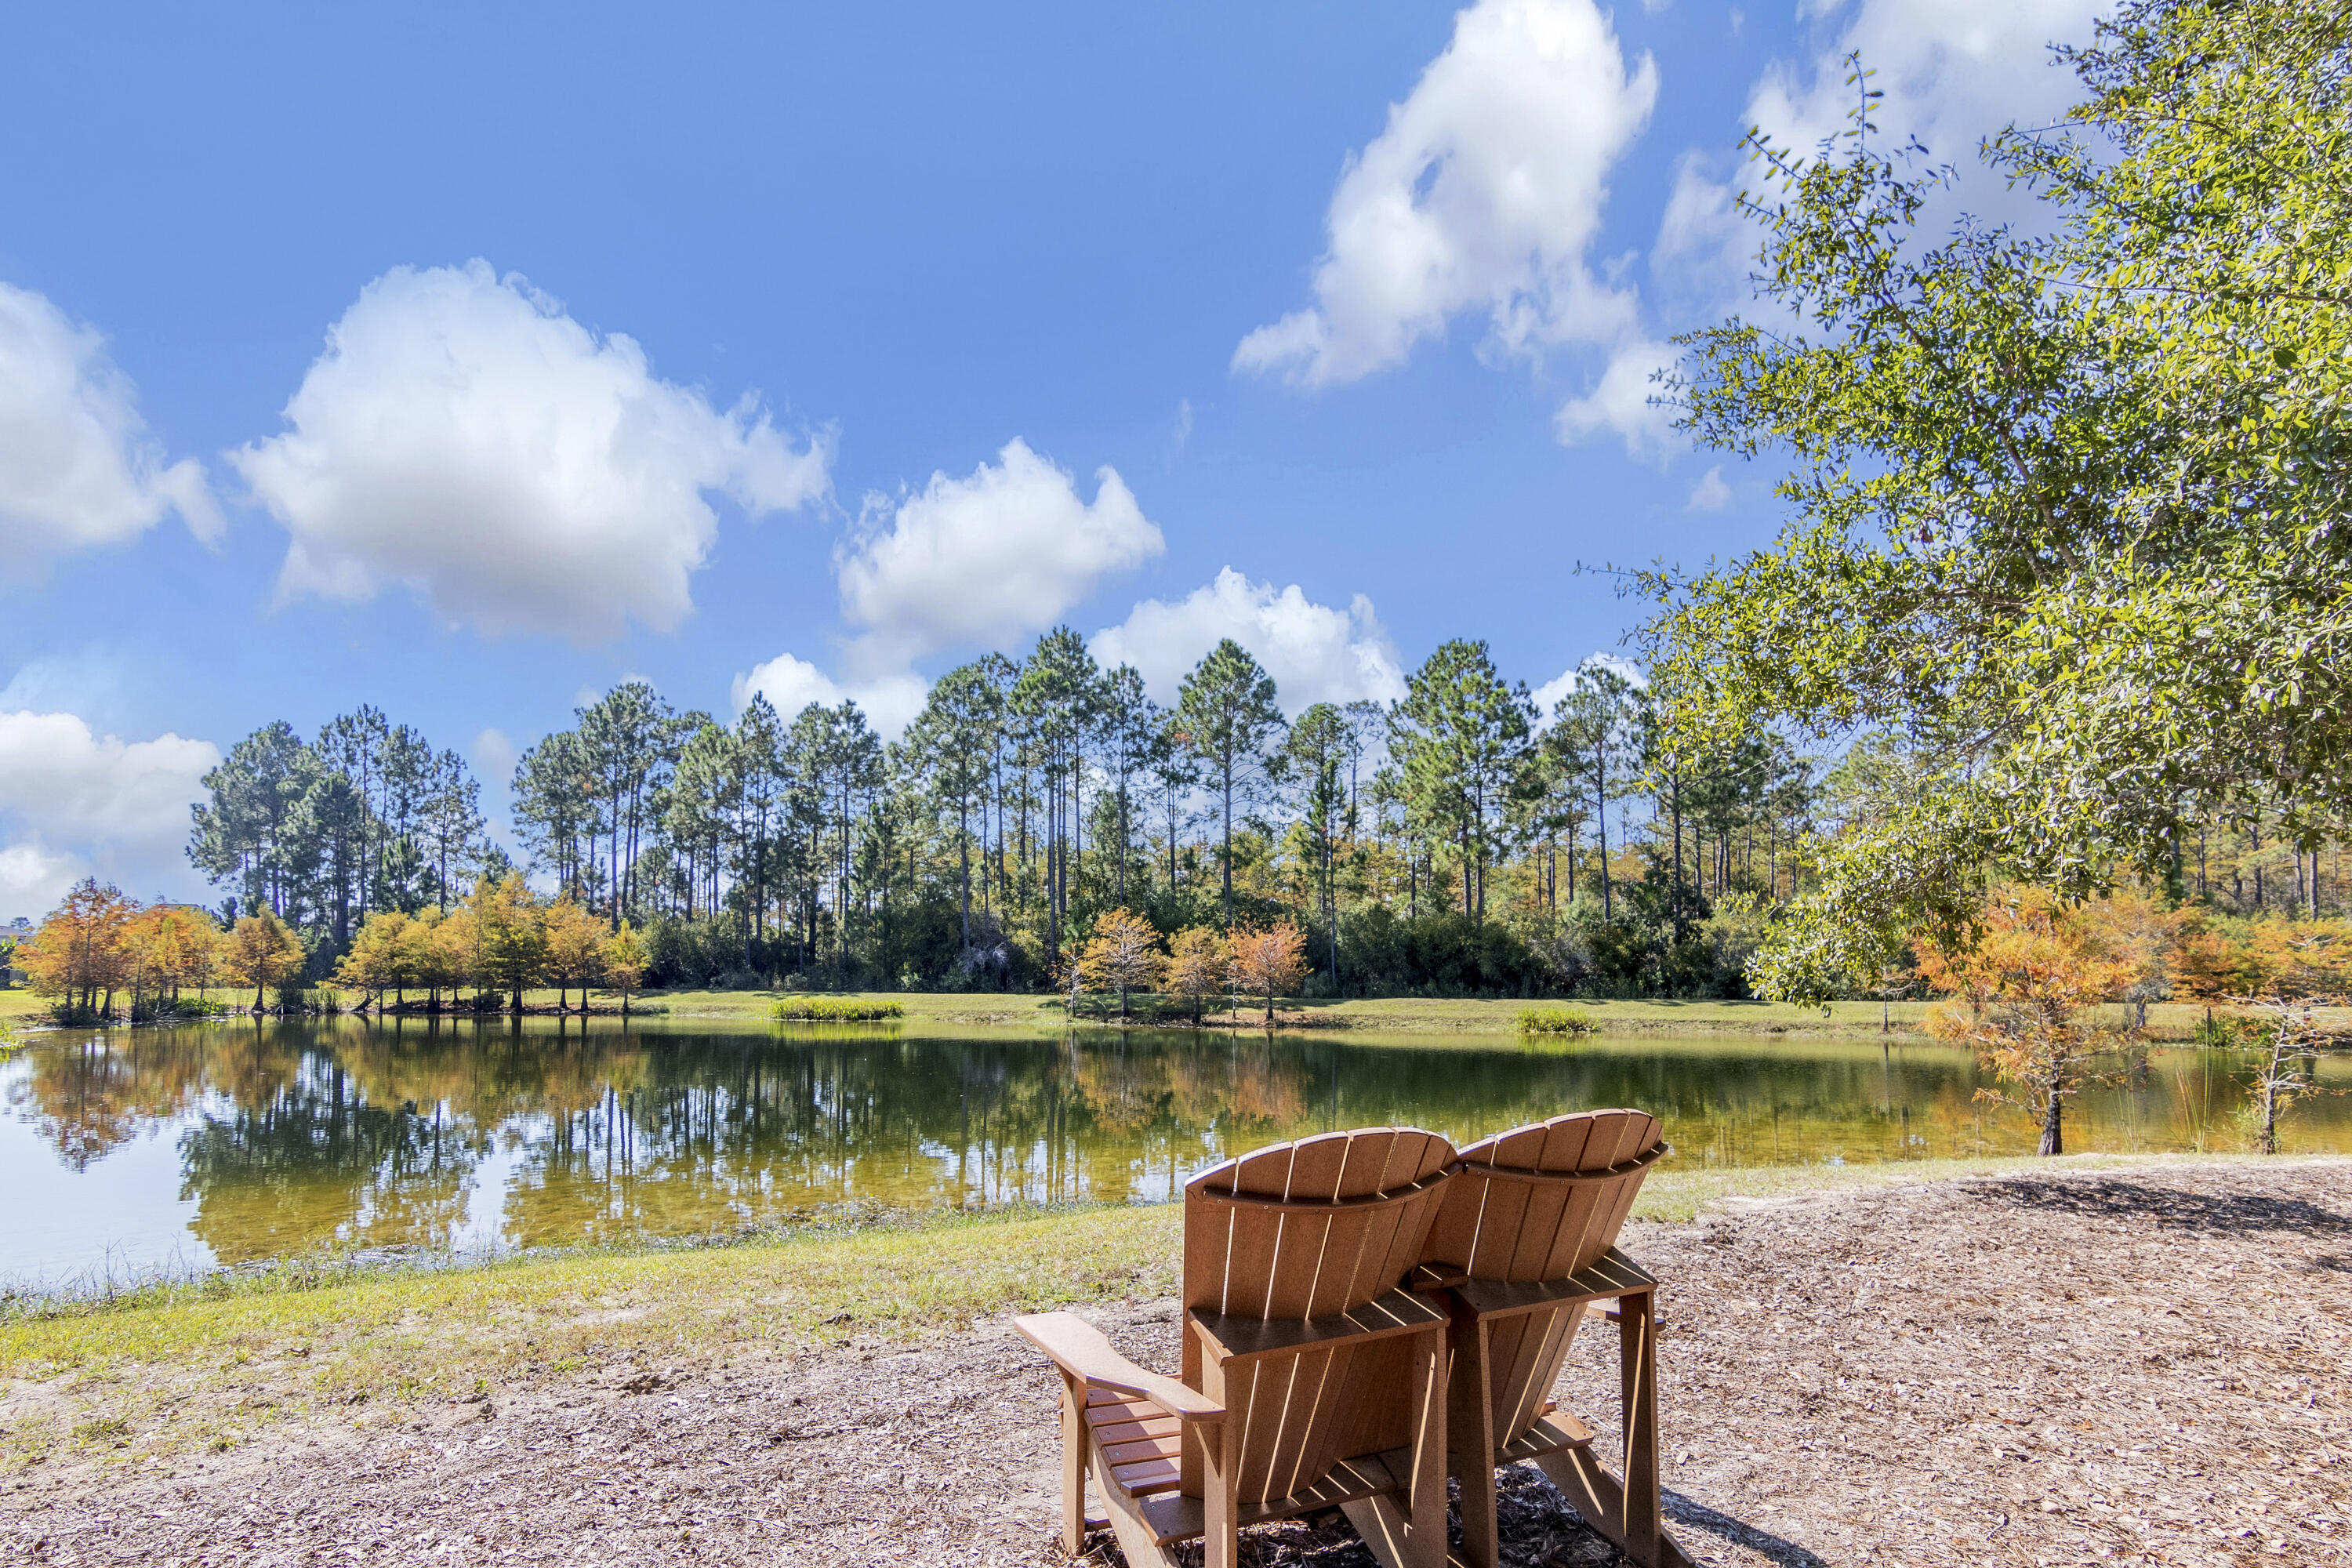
[210, 1363]
[1403, 1015]
[1555, 1021]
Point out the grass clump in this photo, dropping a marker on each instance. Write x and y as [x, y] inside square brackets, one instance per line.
[834, 1010]
[1557, 1021]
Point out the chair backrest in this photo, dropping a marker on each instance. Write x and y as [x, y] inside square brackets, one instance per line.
[1308, 1229]
[1496, 1225]
[1533, 1204]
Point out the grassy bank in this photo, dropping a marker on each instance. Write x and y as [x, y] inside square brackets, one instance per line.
[1400, 1014]
[211, 1363]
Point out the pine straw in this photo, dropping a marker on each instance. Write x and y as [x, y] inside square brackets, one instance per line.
[2148, 1366]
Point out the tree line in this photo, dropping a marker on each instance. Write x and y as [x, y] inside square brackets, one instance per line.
[1456, 841]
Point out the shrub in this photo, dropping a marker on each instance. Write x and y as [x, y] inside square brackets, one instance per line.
[834, 1010]
[1557, 1021]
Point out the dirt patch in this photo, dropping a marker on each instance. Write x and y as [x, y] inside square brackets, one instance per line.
[2135, 1366]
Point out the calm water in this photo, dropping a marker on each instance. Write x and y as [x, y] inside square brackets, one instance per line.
[196, 1147]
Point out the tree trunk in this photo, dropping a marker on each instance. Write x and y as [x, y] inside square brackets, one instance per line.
[2053, 1113]
[1229, 848]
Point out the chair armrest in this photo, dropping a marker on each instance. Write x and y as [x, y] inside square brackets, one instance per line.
[1429, 1278]
[1080, 1349]
[1237, 1336]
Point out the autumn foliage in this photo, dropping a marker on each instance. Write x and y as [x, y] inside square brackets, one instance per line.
[2021, 992]
[1123, 955]
[1198, 965]
[98, 943]
[1268, 961]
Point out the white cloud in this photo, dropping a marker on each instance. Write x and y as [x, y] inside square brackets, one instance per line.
[1314, 653]
[73, 803]
[890, 702]
[1952, 70]
[461, 434]
[1547, 695]
[1710, 493]
[32, 881]
[78, 467]
[1483, 193]
[984, 561]
[1703, 244]
[1620, 400]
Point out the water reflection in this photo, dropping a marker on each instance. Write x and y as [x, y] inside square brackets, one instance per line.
[438, 1133]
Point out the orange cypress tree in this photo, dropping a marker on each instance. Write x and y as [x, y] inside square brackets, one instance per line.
[1197, 966]
[1268, 961]
[2035, 967]
[1122, 956]
[262, 953]
[82, 951]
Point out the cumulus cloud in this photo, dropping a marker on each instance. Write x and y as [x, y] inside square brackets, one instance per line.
[33, 880]
[462, 435]
[1710, 493]
[73, 803]
[891, 700]
[1703, 244]
[78, 467]
[1620, 400]
[1314, 653]
[1547, 695]
[1952, 70]
[984, 561]
[1483, 193]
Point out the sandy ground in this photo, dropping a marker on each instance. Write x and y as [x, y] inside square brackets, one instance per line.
[2083, 1367]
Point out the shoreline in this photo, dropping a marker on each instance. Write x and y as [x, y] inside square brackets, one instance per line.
[873, 1270]
[2027, 1358]
[2170, 1024]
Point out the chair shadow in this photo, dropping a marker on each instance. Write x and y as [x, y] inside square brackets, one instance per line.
[2214, 1213]
[1538, 1526]
[1682, 1511]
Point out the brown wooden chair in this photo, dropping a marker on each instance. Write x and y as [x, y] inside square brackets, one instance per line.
[1525, 1244]
[1310, 1379]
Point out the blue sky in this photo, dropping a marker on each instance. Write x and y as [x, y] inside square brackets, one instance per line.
[467, 359]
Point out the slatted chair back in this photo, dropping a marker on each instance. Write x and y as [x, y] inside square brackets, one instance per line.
[1539, 1203]
[1309, 1230]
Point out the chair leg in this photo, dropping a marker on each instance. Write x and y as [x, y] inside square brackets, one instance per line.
[1627, 1511]
[1221, 1458]
[1637, 1344]
[1470, 1437]
[1074, 1465]
[1428, 1538]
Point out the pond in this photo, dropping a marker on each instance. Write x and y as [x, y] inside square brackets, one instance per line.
[131, 1150]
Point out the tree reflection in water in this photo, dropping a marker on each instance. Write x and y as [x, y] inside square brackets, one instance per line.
[423, 1131]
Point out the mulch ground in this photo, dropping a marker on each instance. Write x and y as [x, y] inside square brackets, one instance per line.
[2082, 1367]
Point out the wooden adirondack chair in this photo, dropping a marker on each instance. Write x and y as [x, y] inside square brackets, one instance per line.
[1310, 1378]
[1524, 1243]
